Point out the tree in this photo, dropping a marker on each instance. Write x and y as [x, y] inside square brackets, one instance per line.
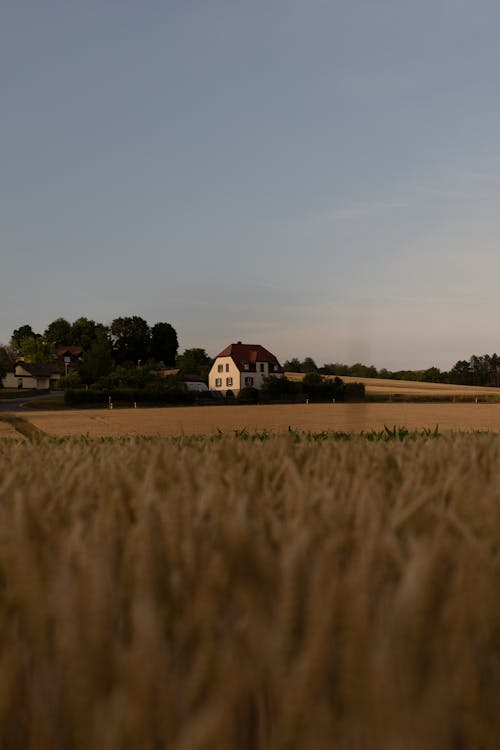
[309, 365]
[21, 333]
[131, 339]
[84, 332]
[292, 365]
[164, 343]
[97, 361]
[36, 350]
[461, 373]
[58, 332]
[194, 361]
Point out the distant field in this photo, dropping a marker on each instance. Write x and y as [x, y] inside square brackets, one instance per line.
[274, 418]
[382, 387]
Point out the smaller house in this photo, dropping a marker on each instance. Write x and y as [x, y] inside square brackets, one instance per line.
[242, 366]
[40, 377]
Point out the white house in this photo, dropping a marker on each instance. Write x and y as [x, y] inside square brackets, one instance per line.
[241, 366]
[41, 377]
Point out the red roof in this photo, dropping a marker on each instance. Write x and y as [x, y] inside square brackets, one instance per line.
[250, 354]
[73, 351]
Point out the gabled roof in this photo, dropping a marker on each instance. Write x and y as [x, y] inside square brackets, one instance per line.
[39, 370]
[73, 351]
[250, 355]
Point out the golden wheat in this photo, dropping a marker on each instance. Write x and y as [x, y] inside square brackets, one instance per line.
[236, 594]
[195, 420]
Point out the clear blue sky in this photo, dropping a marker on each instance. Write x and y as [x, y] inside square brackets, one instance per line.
[321, 177]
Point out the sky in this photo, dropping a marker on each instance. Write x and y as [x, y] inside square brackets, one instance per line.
[321, 177]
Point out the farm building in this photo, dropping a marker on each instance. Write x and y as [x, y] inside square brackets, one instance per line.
[241, 366]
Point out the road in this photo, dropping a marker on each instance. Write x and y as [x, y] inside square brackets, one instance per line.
[23, 402]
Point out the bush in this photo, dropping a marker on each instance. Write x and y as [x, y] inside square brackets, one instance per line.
[248, 395]
[150, 395]
[73, 380]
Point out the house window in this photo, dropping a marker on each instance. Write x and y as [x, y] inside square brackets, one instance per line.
[229, 382]
[248, 381]
[220, 368]
[218, 382]
[245, 366]
[261, 366]
[275, 367]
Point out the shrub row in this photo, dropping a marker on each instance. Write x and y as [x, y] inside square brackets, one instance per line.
[130, 396]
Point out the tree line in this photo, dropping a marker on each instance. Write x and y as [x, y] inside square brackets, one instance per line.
[477, 370]
[126, 353]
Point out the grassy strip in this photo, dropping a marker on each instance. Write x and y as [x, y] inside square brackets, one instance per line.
[25, 428]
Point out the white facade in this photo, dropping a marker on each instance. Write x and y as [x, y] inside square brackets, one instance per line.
[225, 375]
[10, 380]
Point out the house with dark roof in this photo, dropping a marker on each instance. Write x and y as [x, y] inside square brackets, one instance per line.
[241, 366]
[41, 377]
[30, 375]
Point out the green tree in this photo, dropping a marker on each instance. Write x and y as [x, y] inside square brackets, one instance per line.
[164, 343]
[308, 365]
[84, 332]
[292, 365]
[58, 332]
[131, 338]
[97, 361]
[36, 350]
[21, 333]
[194, 361]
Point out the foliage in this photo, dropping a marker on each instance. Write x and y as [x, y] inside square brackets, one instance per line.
[85, 333]
[194, 361]
[72, 380]
[164, 343]
[153, 394]
[295, 365]
[58, 332]
[20, 334]
[131, 339]
[97, 361]
[36, 350]
[248, 395]
[314, 387]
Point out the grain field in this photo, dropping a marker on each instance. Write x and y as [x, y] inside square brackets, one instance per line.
[201, 420]
[258, 594]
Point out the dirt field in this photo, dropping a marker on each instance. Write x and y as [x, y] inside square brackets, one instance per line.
[382, 387]
[278, 418]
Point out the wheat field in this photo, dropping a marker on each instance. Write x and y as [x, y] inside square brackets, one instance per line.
[409, 388]
[201, 420]
[223, 593]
